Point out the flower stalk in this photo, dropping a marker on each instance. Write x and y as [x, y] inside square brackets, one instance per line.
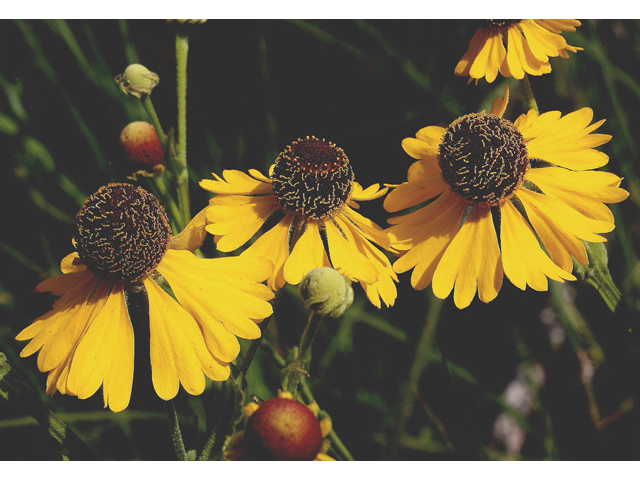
[182, 177]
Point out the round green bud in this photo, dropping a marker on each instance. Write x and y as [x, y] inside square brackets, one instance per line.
[326, 291]
[137, 80]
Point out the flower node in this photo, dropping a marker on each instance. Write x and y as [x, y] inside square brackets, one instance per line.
[312, 177]
[123, 232]
[483, 158]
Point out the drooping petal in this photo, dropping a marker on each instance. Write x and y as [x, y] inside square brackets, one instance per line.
[274, 245]
[104, 355]
[426, 236]
[476, 45]
[178, 351]
[308, 253]
[365, 227]
[489, 58]
[233, 297]
[523, 260]
[370, 193]
[346, 258]
[471, 261]
[56, 333]
[72, 264]
[384, 288]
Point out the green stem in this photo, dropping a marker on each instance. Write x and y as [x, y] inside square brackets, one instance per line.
[528, 93]
[293, 373]
[155, 121]
[16, 390]
[176, 435]
[596, 274]
[182, 50]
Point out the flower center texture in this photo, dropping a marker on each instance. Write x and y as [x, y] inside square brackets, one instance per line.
[483, 158]
[312, 177]
[123, 232]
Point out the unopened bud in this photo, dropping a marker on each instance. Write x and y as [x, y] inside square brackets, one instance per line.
[326, 291]
[137, 80]
[143, 152]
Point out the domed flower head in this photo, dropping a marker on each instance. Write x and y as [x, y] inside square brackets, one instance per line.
[311, 188]
[529, 44]
[280, 429]
[123, 243]
[495, 188]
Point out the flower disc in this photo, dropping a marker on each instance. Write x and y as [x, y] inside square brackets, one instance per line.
[483, 158]
[312, 177]
[123, 232]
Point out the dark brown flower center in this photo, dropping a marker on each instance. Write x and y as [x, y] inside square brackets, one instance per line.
[123, 232]
[483, 158]
[312, 177]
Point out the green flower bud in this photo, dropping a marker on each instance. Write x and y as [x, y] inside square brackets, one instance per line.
[326, 291]
[137, 80]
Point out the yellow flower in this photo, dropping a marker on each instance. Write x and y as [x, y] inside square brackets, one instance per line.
[311, 186]
[493, 186]
[124, 244]
[281, 429]
[529, 44]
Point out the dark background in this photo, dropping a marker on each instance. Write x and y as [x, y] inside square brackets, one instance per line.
[255, 86]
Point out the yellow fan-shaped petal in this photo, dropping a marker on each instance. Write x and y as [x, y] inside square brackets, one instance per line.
[346, 258]
[419, 149]
[476, 45]
[523, 260]
[178, 351]
[104, 355]
[471, 261]
[274, 245]
[308, 253]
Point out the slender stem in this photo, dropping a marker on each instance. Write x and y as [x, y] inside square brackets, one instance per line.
[596, 274]
[176, 435]
[182, 180]
[528, 93]
[292, 375]
[155, 121]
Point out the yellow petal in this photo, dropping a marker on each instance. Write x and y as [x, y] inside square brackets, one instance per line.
[346, 258]
[476, 44]
[72, 264]
[425, 168]
[366, 227]
[500, 104]
[178, 351]
[384, 288]
[427, 235]
[472, 260]
[524, 262]
[308, 253]
[235, 225]
[105, 354]
[412, 193]
[274, 245]
[419, 149]
[489, 58]
[584, 191]
[224, 295]
[193, 235]
[370, 193]
[237, 183]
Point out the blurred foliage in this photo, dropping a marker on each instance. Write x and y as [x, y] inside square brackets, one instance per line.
[551, 375]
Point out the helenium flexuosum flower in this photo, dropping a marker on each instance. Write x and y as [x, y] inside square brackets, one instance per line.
[494, 188]
[123, 241]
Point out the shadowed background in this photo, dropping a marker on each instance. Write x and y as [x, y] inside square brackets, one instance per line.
[533, 375]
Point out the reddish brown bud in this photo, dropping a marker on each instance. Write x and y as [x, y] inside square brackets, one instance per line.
[143, 151]
[282, 429]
